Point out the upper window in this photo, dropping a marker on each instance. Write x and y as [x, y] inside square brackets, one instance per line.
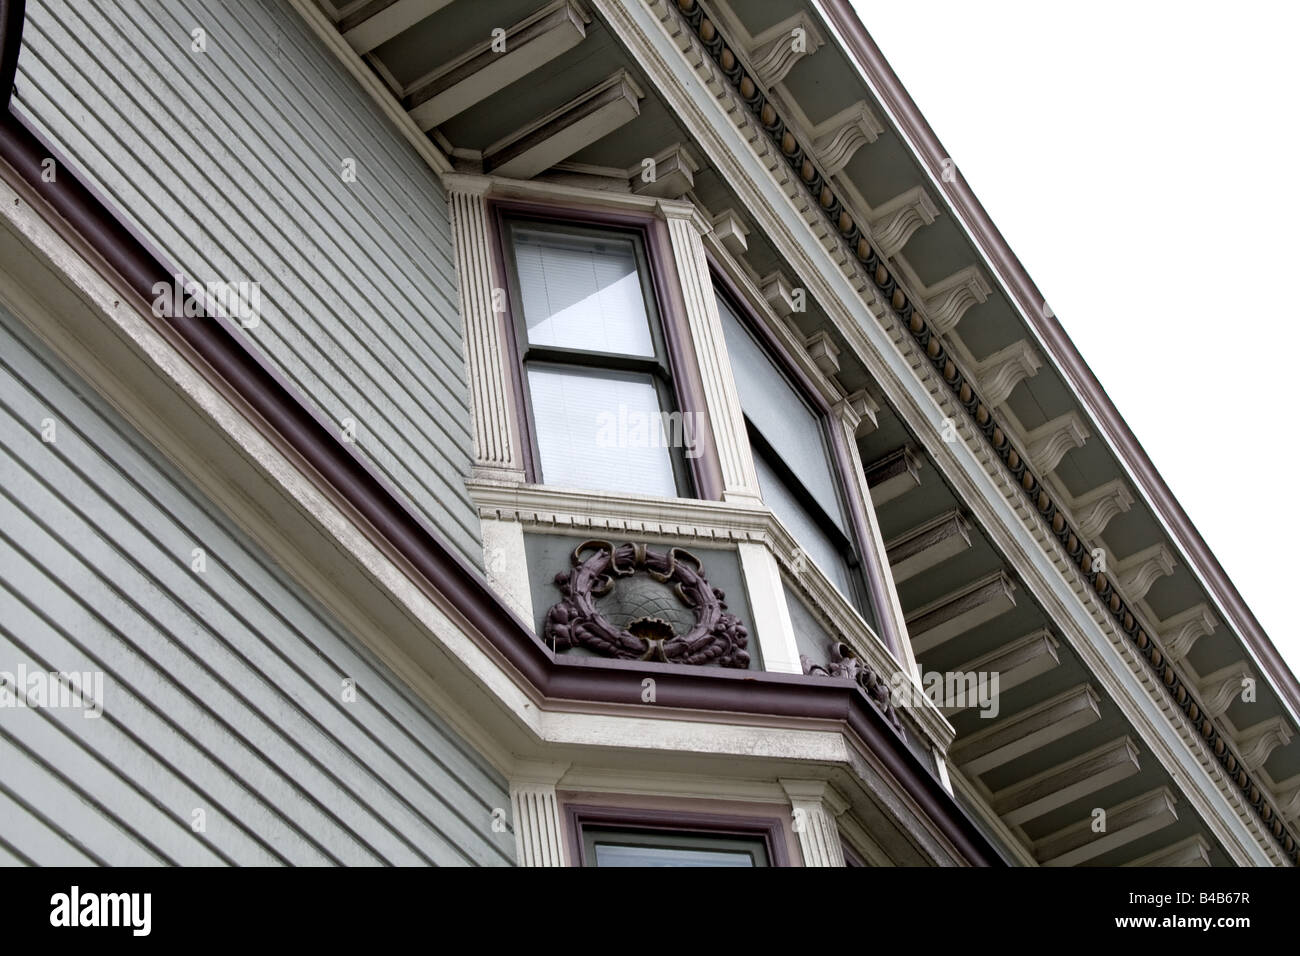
[796, 472]
[652, 847]
[597, 378]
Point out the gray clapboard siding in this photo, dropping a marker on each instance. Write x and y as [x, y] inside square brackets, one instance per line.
[229, 163]
[223, 689]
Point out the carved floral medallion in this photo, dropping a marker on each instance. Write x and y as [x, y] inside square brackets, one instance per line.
[635, 603]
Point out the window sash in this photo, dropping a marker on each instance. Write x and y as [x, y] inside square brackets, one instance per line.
[612, 443]
[817, 536]
[594, 361]
[657, 356]
[776, 408]
[600, 302]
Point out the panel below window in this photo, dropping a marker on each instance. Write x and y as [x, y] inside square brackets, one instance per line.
[601, 430]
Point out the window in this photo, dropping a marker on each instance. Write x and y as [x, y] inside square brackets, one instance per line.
[596, 374]
[634, 847]
[796, 473]
[631, 836]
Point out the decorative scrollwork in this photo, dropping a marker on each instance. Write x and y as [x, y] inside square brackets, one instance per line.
[844, 664]
[716, 638]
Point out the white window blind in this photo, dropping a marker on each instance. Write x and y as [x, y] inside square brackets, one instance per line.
[582, 293]
[600, 430]
[780, 414]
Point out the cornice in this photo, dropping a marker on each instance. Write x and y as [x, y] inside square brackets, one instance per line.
[913, 128]
[876, 269]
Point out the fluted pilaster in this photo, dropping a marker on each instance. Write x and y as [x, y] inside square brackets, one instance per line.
[815, 807]
[497, 448]
[685, 228]
[539, 834]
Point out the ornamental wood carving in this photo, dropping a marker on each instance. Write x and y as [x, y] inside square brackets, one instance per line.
[844, 663]
[716, 639]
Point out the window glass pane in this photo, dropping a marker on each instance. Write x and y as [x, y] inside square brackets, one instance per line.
[582, 292]
[781, 415]
[608, 854]
[633, 847]
[815, 542]
[601, 430]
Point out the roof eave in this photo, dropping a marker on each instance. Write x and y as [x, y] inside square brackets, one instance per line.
[917, 133]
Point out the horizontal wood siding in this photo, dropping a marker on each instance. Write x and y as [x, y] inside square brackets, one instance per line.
[223, 689]
[229, 162]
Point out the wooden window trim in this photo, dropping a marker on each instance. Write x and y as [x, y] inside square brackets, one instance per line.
[699, 477]
[771, 830]
[868, 603]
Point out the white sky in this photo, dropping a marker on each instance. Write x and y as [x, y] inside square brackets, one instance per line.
[1153, 138]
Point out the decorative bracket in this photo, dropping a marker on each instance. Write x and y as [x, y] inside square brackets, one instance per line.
[843, 663]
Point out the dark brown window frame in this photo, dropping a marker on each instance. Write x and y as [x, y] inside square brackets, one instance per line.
[868, 599]
[771, 830]
[697, 478]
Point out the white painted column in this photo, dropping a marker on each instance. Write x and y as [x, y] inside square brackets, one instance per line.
[722, 401]
[539, 833]
[506, 563]
[497, 447]
[815, 806]
[768, 612]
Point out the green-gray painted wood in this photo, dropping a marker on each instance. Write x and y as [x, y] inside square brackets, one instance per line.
[812, 639]
[222, 689]
[229, 162]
